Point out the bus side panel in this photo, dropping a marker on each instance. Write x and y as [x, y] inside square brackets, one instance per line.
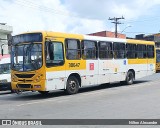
[118, 70]
[139, 66]
[151, 66]
[91, 75]
[86, 69]
[142, 67]
[55, 80]
[104, 71]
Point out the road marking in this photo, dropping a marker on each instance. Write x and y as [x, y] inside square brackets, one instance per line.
[33, 103]
[4, 95]
[120, 88]
[37, 102]
[95, 92]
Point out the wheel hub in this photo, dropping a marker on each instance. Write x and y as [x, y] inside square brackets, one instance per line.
[72, 84]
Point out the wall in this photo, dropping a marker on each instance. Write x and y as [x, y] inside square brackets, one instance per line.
[4, 31]
[108, 34]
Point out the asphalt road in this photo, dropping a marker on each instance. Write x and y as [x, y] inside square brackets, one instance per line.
[138, 101]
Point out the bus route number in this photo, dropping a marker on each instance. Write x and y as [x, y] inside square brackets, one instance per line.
[74, 65]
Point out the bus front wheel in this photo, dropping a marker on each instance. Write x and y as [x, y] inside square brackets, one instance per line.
[72, 86]
[129, 78]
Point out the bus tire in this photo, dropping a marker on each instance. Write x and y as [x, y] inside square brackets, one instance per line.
[129, 78]
[43, 92]
[72, 85]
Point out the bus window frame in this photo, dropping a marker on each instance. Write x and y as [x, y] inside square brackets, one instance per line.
[135, 52]
[143, 52]
[97, 50]
[109, 42]
[151, 51]
[47, 50]
[119, 50]
[79, 50]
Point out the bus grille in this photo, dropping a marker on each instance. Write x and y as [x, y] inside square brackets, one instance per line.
[24, 85]
[26, 80]
[24, 75]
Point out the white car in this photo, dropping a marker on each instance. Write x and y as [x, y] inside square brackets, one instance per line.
[5, 74]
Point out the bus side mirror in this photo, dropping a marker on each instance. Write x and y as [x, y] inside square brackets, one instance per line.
[2, 49]
[2, 52]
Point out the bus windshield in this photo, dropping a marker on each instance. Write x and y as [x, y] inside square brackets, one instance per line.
[26, 56]
[158, 55]
[5, 68]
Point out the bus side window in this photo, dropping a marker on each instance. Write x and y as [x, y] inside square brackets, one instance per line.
[141, 51]
[119, 50]
[89, 49]
[54, 54]
[150, 51]
[73, 51]
[105, 50]
[131, 51]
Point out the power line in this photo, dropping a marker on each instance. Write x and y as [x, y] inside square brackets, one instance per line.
[116, 22]
[141, 32]
[42, 8]
[144, 19]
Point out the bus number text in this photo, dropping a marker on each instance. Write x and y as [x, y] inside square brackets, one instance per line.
[74, 65]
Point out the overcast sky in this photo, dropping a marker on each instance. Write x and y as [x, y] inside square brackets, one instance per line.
[81, 16]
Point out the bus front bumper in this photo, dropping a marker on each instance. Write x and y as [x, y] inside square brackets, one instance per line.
[28, 86]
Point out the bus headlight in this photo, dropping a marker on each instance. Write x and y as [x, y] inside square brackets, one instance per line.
[37, 86]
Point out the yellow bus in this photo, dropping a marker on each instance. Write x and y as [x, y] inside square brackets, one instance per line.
[157, 59]
[46, 61]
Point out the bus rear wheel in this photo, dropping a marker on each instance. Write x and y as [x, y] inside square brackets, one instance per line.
[129, 78]
[72, 86]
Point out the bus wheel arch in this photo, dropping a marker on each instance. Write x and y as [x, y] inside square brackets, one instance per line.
[73, 83]
[130, 77]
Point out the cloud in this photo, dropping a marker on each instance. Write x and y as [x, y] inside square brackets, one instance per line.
[32, 16]
[102, 9]
[86, 26]
[45, 15]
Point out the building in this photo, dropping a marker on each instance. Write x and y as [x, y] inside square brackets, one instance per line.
[5, 31]
[153, 37]
[108, 34]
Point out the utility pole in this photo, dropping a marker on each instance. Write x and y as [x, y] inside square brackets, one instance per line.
[115, 19]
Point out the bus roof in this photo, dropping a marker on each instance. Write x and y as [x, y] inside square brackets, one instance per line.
[89, 37]
[134, 41]
[76, 36]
